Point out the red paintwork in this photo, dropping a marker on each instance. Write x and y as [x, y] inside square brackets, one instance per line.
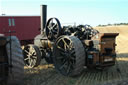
[26, 27]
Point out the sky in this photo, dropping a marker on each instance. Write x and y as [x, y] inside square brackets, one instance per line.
[92, 12]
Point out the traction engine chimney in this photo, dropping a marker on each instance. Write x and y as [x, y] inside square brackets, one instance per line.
[43, 17]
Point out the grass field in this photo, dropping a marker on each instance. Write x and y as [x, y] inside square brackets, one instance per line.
[47, 75]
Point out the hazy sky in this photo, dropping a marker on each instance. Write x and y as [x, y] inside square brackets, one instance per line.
[93, 12]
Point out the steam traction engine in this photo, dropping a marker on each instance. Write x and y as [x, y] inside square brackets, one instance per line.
[71, 48]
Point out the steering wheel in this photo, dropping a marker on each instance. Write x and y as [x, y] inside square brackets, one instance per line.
[53, 28]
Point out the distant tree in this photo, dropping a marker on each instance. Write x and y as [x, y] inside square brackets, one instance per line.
[115, 24]
[99, 25]
[109, 24]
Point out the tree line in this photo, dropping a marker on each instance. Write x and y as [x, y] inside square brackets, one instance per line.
[115, 24]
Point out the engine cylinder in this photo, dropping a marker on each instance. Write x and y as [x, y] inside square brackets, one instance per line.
[46, 44]
[42, 41]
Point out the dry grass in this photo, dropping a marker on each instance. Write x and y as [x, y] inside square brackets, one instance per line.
[44, 75]
[47, 75]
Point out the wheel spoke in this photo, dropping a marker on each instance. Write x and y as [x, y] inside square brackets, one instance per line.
[65, 44]
[69, 67]
[54, 31]
[61, 49]
[34, 57]
[54, 26]
[60, 57]
[72, 58]
[29, 62]
[50, 34]
[26, 51]
[30, 48]
[62, 53]
[70, 46]
[72, 51]
[26, 59]
[33, 62]
[34, 53]
[51, 22]
[63, 65]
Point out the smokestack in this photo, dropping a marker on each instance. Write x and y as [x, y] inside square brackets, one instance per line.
[43, 17]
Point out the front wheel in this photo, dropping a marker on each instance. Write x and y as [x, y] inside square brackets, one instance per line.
[32, 56]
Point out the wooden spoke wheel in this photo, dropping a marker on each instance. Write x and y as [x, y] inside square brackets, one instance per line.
[32, 56]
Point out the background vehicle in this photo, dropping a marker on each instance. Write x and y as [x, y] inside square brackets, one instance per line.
[11, 61]
[25, 27]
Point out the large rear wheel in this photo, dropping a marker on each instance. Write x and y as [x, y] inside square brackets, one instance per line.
[69, 55]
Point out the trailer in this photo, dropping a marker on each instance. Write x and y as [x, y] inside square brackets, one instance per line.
[24, 27]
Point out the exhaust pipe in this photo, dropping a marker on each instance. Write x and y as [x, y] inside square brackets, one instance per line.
[43, 17]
